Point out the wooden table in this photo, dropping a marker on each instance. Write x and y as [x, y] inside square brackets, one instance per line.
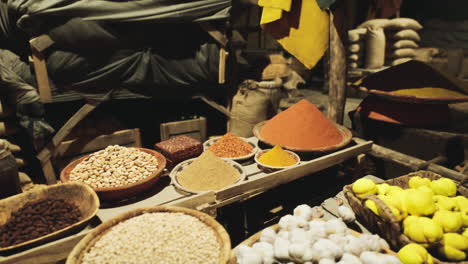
[255, 183]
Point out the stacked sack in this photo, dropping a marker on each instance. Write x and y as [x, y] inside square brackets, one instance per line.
[390, 42]
[356, 38]
[402, 40]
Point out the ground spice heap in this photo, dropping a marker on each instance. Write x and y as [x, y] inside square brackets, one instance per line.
[231, 146]
[208, 172]
[277, 157]
[301, 126]
[159, 238]
[36, 219]
[429, 92]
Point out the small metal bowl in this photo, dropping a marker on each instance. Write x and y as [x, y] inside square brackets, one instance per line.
[268, 168]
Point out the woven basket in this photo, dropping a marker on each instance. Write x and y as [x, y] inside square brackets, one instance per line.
[390, 229]
[77, 254]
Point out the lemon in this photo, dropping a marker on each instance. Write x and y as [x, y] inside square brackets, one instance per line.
[417, 181]
[451, 253]
[414, 254]
[383, 188]
[462, 202]
[420, 202]
[432, 231]
[392, 189]
[455, 240]
[444, 186]
[363, 187]
[448, 220]
[445, 203]
[409, 220]
[372, 206]
[465, 233]
[422, 230]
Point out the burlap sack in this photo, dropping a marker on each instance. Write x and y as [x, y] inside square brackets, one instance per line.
[375, 48]
[354, 48]
[357, 34]
[400, 61]
[403, 23]
[353, 65]
[407, 34]
[401, 44]
[375, 23]
[402, 53]
[250, 105]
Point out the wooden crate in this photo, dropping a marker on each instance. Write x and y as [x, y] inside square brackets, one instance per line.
[195, 128]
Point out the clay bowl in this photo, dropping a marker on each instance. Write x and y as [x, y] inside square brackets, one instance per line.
[209, 142]
[79, 194]
[347, 136]
[121, 192]
[89, 240]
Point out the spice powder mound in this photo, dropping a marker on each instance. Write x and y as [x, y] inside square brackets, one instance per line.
[231, 146]
[208, 172]
[301, 126]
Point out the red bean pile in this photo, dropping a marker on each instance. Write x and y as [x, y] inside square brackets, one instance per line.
[36, 219]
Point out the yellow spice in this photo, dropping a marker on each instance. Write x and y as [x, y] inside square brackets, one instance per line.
[277, 157]
[429, 92]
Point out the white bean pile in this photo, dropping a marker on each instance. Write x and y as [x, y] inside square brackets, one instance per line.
[114, 166]
[157, 238]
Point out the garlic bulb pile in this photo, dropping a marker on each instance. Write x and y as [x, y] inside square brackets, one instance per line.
[301, 239]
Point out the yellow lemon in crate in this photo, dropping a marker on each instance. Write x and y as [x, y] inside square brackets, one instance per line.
[414, 254]
[448, 220]
[417, 181]
[444, 186]
[363, 187]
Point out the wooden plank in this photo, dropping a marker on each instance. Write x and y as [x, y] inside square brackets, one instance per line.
[48, 253]
[42, 77]
[49, 172]
[79, 146]
[195, 201]
[336, 76]
[41, 42]
[48, 151]
[215, 33]
[287, 175]
[222, 66]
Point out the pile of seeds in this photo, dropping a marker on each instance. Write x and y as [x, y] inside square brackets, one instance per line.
[114, 166]
[208, 173]
[231, 146]
[159, 238]
[36, 219]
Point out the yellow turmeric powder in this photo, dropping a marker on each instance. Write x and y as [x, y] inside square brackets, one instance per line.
[429, 92]
[277, 157]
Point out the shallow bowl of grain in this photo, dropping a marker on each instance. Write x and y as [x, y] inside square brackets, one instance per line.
[77, 254]
[177, 169]
[268, 168]
[345, 132]
[78, 194]
[125, 191]
[211, 141]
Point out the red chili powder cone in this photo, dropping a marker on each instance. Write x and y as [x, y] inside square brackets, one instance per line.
[301, 126]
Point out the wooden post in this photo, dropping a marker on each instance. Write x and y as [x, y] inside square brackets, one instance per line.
[336, 76]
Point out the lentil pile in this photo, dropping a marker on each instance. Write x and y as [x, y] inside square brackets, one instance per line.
[301, 126]
[36, 219]
[208, 172]
[231, 146]
[114, 166]
[157, 238]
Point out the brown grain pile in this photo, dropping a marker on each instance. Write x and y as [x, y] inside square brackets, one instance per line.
[208, 172]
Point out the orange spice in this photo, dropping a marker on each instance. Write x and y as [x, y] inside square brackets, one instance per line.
[230, 146]
[301, 126]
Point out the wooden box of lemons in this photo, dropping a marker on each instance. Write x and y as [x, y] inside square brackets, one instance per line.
[431, 215]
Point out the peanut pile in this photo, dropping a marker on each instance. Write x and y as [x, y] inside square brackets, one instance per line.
[114, 166]
[157, 238]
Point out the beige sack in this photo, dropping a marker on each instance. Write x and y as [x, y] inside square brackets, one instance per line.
[353, 57]
[250, 105]
[357, 34]
[375, 48]
[402, 53]
[354, 48]
[352, 65]
[404, 43]
[407, 34]
[375, 23]
[400, 61]
[403, 23]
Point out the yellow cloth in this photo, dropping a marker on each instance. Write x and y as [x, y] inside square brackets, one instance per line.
[300, 26]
